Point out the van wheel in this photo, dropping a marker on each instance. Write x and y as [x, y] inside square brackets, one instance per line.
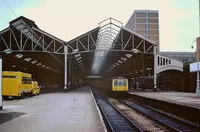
[22, 96]
[31, 93]
[5, 97]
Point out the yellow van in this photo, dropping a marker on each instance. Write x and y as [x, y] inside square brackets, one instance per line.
[35, 88]
[16, 84]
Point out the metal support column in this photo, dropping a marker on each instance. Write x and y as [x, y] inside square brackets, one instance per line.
[155, 68]
[21, 39]
[66, 51]
[143, 70]
[198, 81]
[198, 45]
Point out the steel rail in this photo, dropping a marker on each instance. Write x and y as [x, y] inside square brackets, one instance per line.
[175, 124]
[116, 120]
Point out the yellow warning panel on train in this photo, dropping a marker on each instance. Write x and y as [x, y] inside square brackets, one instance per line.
[119, 84]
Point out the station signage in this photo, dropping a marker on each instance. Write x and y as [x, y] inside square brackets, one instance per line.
[194, 67]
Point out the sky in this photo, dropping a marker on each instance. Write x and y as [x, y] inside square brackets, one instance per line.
[67, 19]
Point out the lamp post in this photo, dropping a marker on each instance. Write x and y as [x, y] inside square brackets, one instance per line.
[198, 85]
[197, 53]
[198, 45]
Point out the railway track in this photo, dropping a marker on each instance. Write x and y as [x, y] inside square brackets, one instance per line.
[116, 120]
[166, 120]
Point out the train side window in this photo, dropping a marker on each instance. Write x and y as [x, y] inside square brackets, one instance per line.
[5, 76]
[23, 80]
[28, 80]
[115, 82]
[124, 83]
[120, 83]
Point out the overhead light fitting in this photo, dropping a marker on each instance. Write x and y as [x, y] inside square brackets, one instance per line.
[7, 51]
[119, 61]
[128, 55]
[27, 59]
[124, 59]
[135, 50]
[77, 55]
[43, 65]
[19, 56]
[75, 50]
[33, 62]
[39, 64]
[78, 58]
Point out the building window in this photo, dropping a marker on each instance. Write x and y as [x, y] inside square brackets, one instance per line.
[140, 14]
[163, 61]
[152, 14]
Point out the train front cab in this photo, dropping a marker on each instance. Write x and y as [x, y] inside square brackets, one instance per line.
[120, 85]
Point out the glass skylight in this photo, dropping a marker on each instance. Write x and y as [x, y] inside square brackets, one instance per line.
[105, 40]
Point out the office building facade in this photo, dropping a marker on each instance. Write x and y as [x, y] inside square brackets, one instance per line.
[185, 57]
[145, 23]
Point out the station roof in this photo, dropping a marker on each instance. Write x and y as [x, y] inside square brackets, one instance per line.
[27, 48]
[114, 48]
[107, 50]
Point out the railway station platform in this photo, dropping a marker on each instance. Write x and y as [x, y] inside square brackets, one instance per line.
[73, 111]
[178, 98]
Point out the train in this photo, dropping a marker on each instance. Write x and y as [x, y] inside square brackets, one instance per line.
[18, 84]
[112, 85]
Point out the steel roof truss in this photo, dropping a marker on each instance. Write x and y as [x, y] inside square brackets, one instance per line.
[70, 47]
[127, 41]
[15, 39]
[59, 48]
[92, 40]
[82, 45]
[149, 48]
[4, 42]
[50, 44]
[139, 44]
[25, 42]
[38, 42]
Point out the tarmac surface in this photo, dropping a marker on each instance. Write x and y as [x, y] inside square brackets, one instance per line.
[179, 98]
[74, 111]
